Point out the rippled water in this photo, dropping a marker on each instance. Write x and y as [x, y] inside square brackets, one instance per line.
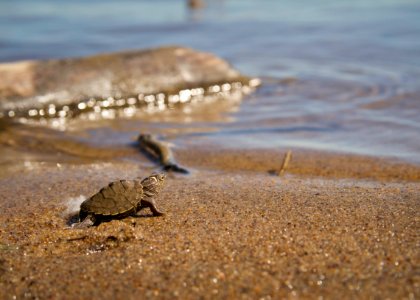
[337, 75]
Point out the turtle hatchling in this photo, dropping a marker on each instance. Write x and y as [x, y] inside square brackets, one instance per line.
[121, 199]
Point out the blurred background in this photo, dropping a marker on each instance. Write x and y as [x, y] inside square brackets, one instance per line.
[338, 75]
[255, 35]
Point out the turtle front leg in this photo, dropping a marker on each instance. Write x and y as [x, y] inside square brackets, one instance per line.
[87, 222]
[151, 203]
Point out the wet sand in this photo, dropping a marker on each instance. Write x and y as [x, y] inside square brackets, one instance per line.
[333, 226]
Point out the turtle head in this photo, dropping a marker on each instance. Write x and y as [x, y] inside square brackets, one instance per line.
[159, 177]
[153, 184]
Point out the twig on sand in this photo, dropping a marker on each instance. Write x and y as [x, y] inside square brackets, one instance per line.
[286, 160]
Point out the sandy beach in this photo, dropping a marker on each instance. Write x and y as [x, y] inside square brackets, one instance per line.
[231, 231]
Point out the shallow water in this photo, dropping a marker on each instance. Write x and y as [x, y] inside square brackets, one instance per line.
[337, 75]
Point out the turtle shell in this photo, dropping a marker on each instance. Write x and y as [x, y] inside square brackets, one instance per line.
[119, 198]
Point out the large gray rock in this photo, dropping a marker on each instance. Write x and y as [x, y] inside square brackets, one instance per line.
[30, 85]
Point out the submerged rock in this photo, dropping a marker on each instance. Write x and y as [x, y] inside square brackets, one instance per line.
[66, 87]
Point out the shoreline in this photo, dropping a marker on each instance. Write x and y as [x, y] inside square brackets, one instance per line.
[50, 148]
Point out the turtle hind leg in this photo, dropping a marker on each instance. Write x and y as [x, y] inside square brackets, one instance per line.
[89, 221]
[150, 203]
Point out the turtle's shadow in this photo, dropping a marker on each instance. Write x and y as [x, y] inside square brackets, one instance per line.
[143, 216]
[74, 218]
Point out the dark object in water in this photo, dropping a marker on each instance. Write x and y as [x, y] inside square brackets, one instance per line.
[121, 199]
[195, 4]
[161, 151]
